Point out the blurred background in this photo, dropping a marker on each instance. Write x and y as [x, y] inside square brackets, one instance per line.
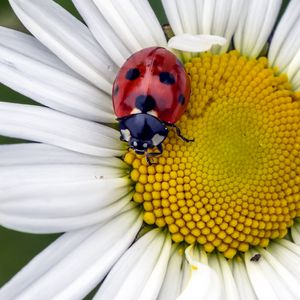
[16, 249]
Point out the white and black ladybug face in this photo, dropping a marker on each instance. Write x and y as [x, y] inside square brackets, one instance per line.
[140, 146]
[142, 132]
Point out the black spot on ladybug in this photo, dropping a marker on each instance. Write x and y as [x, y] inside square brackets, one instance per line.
[116, 90]
[166, 78]
[145, 103]
[181, 99]
[133, 74]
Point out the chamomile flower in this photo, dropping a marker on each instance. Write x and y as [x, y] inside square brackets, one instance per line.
[211, 219]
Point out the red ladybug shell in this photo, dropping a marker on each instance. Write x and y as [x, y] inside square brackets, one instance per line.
[152, 81]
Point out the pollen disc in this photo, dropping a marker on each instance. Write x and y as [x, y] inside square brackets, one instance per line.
[237, 185]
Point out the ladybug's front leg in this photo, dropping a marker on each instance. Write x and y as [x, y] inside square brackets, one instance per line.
[178, 132]
[154, 154]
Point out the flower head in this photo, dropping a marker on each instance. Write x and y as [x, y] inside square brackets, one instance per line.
[212, 219]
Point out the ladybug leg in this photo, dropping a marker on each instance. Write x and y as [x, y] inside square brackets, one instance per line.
[154, 154]
[178, 132]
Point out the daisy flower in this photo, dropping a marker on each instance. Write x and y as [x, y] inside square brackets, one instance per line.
[212, 219]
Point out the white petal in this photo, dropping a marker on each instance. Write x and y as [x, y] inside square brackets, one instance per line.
[264, 31]
[186, 275]
[196, 254]
[199, 13]
[255, 26]
[195, 43]
[147, 14]
[269, 278]
[50, 196]
[188, 15]
[173, 16]
[226, 17]
[35, 224]
[208, 17]
[284, 49]
[21, 175]
[133, 21]
[140, 271]
[29, 68]
[68, 38]
[75, 263]
[238, 37]
[288, 254]
[295, 231]
[220, 14]
[260, 283]
[204, 282]
[30, 47]
[171, 286]
[45, 125]
[243, 284]
[214, 264]
[102, 31]
[290, 282]
[230, 288]
[40, 154]
[280, 52]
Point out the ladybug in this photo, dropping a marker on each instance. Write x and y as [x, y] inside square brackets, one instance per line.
[150, 93]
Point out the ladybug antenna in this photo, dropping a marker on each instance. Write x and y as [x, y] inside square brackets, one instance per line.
[178, 132]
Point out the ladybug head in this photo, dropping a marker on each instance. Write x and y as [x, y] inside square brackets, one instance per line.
[142, 131]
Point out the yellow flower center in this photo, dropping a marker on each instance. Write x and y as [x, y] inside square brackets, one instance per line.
[237, 184]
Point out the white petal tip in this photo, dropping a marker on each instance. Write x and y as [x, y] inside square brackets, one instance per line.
[203, 274]
[195, 43]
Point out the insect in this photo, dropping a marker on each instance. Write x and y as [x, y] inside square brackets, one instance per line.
[150, 93]
[256, 257]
